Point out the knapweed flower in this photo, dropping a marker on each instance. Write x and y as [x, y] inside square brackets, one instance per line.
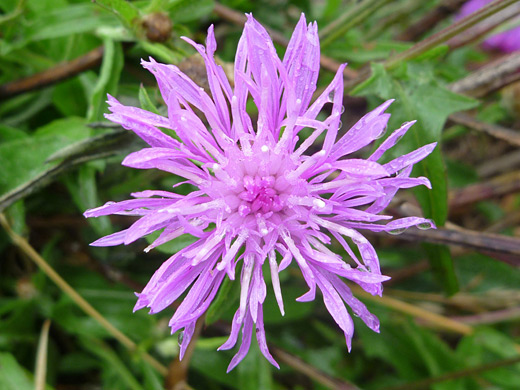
[506, 41]
[265, 195]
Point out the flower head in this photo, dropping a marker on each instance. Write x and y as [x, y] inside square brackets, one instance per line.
[506, 41]
[266, 196]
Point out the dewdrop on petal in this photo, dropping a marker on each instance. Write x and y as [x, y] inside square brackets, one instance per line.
[271, 200]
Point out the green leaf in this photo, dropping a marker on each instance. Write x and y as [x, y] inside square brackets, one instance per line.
[108, 79]
[68, 97]
[162, 52]
[10, 133]
[442, 267]
[146, 102]
[254, 372]
[25, 106]
[460, 174]
[17, 217]
[24, 159]
[125, 10]
[152, 380]
[227, 297]
[182, 11]
[415, 353]
[172, 246]
[115, 372]
[12, 375]
[211, 365]
[493, 276]
[420, 97]
[380, 83]
[486, 346]
[294, 310]
[65, 21]
[83, 188]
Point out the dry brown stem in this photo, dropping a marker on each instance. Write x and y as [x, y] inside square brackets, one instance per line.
[430, 20]
[53, 75]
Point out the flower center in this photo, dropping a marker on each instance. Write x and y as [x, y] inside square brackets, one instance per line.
[259, 195]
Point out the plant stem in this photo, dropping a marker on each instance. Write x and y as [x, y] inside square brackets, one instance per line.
[440, 321]
[41, 358]
[426, 383]
[449, 32]
[348, 20]
[436, 39]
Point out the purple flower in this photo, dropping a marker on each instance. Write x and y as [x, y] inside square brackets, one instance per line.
[266, 196]
[507, 41]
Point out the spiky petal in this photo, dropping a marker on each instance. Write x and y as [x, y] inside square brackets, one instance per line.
[266, 196]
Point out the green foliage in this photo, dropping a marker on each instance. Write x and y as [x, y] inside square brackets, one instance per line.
[59, 157]
[183, 11]
[420, 96]
[255, 372]
[107, 81]
[12, 375]
[24, 158]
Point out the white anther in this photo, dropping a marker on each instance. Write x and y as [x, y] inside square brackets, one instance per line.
[318, 203]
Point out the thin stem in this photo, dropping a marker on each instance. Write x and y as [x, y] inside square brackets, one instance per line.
[178, 369]
[26, 248]
[436, 319]
[449, 32]
[426, 383]
[41, 357]
[348, 20]
[53, 75]
[436, 39]
[470, 239]
[490, 77]
[491, 317]
[430, 19]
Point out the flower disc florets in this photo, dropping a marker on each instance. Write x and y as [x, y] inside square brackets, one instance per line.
[265, 195]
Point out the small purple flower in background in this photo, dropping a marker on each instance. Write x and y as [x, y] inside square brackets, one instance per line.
[507, 41]
[265, 196]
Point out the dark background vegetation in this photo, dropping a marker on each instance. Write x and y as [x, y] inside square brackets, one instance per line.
[450, 315]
